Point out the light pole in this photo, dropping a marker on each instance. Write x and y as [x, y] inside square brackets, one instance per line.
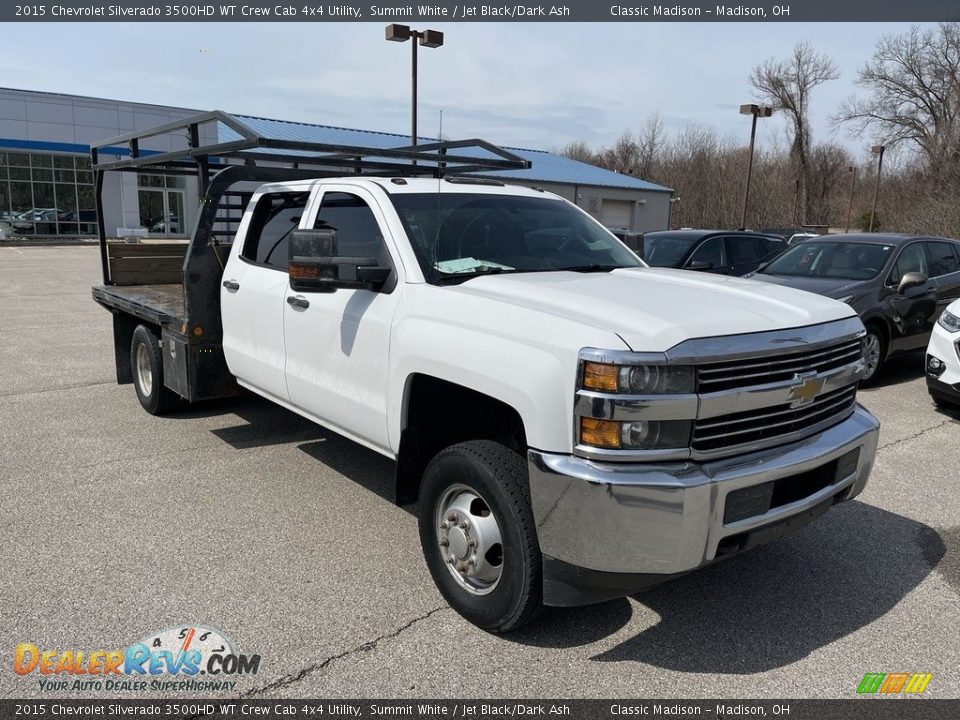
[853, 184]
[876, 150]
[674, 203]
[757, 111]
[427, 38]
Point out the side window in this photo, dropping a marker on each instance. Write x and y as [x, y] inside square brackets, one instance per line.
[943, 258]
[912, 259]
[275, 216]
[358, 234]
[742, 250]
[769, 248]
[710, 251]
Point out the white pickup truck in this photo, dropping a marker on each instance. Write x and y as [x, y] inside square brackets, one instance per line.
[573, 425]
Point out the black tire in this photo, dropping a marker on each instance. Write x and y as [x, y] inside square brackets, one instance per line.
[875, 334]
[499, 476]
[155, 398]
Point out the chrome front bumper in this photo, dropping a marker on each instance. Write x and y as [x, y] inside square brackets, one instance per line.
[668, 518]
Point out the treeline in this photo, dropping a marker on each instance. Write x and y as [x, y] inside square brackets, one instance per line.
[909, 102]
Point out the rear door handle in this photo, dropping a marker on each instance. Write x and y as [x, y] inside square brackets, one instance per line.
[298, 302]
[231, 284]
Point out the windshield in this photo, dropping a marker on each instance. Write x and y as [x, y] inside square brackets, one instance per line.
[666, 250]
[460, 235]
[841, 260]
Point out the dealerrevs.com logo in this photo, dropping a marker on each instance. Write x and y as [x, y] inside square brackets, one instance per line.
[189, 657]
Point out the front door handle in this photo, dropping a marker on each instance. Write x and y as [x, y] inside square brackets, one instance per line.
[231, 285]
[298, 301]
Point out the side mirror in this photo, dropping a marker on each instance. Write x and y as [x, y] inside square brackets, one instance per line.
[316, 266]
[699, 265]
[911, 280]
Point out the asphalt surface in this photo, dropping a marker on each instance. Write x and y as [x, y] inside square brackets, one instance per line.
[243, 517]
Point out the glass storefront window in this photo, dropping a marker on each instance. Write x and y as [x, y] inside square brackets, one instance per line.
[45, 194]
[161, 202]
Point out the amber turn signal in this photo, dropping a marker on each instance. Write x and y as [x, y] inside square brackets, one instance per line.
[600, 376]
[600, 433]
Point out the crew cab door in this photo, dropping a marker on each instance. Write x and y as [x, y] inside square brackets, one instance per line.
[337, 343]
[945, 269]
[254, 285]
[914, 311]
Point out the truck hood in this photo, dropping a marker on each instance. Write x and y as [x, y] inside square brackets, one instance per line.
[653, 309]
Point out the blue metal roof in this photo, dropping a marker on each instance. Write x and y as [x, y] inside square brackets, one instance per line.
[547, 167]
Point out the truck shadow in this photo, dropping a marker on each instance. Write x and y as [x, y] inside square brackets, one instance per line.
[368, 469]
[771, 607]
[900, 369]
[758, 611]
[265, 422]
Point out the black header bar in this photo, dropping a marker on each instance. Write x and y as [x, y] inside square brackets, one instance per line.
[471, 11]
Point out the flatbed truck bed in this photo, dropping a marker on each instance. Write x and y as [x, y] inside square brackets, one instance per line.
[156, 304]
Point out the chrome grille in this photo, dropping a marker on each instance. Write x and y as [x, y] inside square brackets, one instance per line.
[732, 375]
[735, 429]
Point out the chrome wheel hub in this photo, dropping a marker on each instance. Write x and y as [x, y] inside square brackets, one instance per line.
[871, 355]
[468, 538]
[144, 373]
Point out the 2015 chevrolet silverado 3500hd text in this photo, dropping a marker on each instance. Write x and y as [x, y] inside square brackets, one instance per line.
[573, 425]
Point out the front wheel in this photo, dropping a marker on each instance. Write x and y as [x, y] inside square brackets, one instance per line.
[478, 535]
[874, 350]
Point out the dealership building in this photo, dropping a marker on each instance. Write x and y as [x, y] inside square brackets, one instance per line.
[47, 185]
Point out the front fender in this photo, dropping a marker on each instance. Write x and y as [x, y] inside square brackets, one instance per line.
[520, 357]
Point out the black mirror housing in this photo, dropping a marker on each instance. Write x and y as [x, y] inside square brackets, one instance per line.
[911, 280]
[316, 266]
[699, 265]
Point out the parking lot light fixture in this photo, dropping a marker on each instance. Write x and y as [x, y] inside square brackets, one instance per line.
[427, 38]
[757, 111]
[877, 150]
[853, 184]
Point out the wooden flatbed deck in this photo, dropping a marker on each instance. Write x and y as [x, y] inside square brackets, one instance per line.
[158, 304]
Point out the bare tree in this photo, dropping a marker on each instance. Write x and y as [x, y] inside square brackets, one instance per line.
[913, 81]
[650, 146]
[623, 156]
[578, 150]
[786, 85]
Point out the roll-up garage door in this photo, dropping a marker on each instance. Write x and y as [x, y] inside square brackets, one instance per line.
[617, 213]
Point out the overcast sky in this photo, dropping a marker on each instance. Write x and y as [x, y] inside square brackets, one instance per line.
[528, 85]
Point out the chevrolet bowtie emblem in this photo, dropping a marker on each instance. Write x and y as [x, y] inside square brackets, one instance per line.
[806, 389]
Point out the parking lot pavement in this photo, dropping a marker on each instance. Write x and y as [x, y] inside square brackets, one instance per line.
[241, 516]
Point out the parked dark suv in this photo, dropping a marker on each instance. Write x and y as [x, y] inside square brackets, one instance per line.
[899, 284]
[727, 252]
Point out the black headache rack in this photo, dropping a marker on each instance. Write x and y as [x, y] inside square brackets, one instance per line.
[176, 286]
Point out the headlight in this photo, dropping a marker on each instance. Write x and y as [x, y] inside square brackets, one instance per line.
[949, 322]
[635, 435]
[638, 379]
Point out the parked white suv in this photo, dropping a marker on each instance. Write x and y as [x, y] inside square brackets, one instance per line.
[943, 358]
